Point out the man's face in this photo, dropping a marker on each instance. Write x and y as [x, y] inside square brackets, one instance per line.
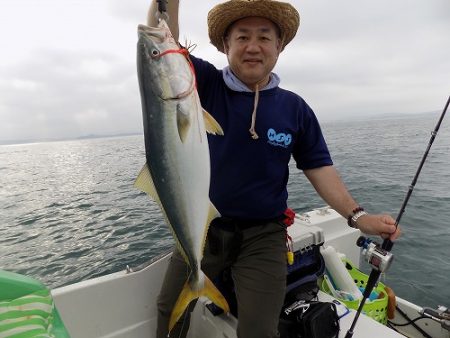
[252, 46]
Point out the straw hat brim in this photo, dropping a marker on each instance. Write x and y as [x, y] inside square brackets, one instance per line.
[283, 14]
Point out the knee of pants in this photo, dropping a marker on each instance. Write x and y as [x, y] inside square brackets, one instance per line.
[258, 329]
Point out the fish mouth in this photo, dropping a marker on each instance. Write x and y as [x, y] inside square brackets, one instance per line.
[157, 34]
[182, 85]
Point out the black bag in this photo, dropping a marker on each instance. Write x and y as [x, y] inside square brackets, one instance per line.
[304, 319]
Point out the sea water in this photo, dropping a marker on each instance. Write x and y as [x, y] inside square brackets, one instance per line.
[69, 211]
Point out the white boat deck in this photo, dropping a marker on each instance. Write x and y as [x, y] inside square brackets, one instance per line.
[123, 304]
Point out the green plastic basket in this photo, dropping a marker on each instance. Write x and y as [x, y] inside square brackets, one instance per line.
[377, 308]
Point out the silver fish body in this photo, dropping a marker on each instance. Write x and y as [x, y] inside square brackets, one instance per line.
[177, 172]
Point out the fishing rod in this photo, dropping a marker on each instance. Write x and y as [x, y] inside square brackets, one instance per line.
[379, 257]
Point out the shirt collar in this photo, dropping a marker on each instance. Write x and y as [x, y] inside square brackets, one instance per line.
[235, 84]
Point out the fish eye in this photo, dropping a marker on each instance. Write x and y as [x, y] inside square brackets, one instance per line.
[155, 52]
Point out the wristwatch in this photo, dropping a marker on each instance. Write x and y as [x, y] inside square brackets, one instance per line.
[353, 218]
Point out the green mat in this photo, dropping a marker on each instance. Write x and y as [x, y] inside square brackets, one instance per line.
[27, 309]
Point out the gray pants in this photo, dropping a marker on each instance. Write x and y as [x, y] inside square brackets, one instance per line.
[258, 271]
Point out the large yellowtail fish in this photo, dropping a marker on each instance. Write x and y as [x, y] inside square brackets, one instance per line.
[177, 172]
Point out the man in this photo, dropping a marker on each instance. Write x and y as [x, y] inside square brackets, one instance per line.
[264, 126]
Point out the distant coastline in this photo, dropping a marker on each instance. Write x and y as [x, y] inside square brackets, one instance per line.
[383, 116]
[83, 137]
[339, 117]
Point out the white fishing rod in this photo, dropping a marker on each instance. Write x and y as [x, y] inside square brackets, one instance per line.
[379, 257]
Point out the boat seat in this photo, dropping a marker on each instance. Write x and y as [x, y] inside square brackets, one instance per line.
[27, 308]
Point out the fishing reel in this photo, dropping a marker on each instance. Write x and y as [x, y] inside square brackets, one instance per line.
[379, 258]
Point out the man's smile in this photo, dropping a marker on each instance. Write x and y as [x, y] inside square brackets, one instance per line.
[253, 61]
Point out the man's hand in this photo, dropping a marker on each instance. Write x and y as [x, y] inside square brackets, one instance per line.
[381, 225]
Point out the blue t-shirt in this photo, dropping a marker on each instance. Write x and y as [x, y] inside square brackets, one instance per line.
[249, 177]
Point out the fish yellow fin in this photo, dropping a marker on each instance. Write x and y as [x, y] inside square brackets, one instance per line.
[213, 294]
[212, 213]
[183, 123]
[211, 125]
[144, 182]
[187, 295]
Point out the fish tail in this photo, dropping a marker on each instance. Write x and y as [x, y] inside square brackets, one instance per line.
[187, 295]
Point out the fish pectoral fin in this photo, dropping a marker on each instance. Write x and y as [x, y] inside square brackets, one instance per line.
[211, 125]
[183, 122]
[144, 182]
[187, 295]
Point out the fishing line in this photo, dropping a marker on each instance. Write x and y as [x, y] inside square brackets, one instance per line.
[378, 257]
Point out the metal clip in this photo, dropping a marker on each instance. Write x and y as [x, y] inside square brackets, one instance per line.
[161, 14]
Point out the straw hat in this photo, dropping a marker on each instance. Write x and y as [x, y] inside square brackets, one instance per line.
[284, 15]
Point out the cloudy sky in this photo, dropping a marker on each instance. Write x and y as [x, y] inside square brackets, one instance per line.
[67, 67]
